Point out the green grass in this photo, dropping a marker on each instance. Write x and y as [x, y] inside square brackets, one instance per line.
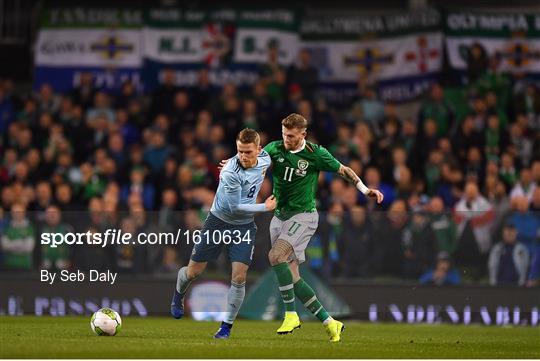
[71, 337]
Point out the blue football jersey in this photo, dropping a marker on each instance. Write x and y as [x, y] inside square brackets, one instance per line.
[239, 186]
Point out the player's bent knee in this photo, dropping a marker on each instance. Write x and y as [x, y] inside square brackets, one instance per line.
[192, 273]
[275, 257]
[239, 278]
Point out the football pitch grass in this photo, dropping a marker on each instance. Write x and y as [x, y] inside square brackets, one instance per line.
[152, 337]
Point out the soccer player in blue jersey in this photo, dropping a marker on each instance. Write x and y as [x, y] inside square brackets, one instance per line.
[230, 221]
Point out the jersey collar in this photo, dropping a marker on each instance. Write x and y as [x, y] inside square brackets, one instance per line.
[299, 149]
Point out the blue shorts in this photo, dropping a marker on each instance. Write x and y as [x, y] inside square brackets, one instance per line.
[237, 239]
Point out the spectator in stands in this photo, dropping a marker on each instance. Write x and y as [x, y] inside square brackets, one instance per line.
[432, 171]
[387, 251]
[419, 245]
[130, 257]
[528, 102]
[55, 258]
[477, 62]
[535, 202]
[167, 215]
[7, 112]
[535, 169]
[437, 109]
[157, 151]
[163, 97]
[137, 185]
[443, 227]
[494, 80]
[466, 137]
[508, 260]
[373, 179]
[389, 139]
[344, 146]
[372, 110]
[84, 94]
[332, 230]
[495, 137]
[304, 74]
[443, 274]
[183, 113]
[169, 263]
[28, 115]
[204, 92]
[428, 140]
[527, 224]
[101, 109]
[525, 186]
[533, 279]
[47, 100]
[269, 69]
[475, 211]
[508, 171]
[64, 198]
[91, 183]
[479, 113]
[496, 107]
[474, 167]
[358, 244]
[44, 196]
[18, 240]
[128, 92]
[520, 143]
[409, 136]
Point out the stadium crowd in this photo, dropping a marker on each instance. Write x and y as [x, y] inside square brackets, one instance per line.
[462, 199]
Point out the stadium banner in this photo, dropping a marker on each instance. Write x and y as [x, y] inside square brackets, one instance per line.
[513, 38]
[402, 53]
[150, 296]
[103, 41]
[231, 43]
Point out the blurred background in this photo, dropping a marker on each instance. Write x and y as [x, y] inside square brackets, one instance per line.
[115, 114]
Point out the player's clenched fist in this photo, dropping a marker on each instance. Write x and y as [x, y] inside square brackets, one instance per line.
[270, 203]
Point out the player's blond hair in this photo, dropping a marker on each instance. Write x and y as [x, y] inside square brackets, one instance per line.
[295, 121]
[247, 136]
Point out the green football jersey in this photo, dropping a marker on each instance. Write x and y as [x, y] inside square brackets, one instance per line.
[295, 176]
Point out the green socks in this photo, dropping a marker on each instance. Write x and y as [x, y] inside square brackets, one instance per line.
[285, 282]
[306, 294]
[301, 289]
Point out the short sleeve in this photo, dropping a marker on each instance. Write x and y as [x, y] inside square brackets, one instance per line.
[326, 161]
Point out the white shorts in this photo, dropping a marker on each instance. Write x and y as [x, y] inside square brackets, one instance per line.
[297, 231]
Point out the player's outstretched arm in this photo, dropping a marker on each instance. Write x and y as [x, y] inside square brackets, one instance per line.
[350, 176]
[268, 205]
[233, 196]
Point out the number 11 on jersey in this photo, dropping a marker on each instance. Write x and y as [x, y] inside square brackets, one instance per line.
[288, 174]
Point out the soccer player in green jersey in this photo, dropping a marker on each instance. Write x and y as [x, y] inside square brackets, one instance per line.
[295, 171]
[296, 164]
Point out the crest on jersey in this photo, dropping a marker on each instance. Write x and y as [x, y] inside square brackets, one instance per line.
[302, 166]
[281, 159]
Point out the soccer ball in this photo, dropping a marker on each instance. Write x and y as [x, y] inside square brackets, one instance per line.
[106, 322]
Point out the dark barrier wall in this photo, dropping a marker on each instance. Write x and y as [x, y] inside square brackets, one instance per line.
[485, 305]
[142, 297]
